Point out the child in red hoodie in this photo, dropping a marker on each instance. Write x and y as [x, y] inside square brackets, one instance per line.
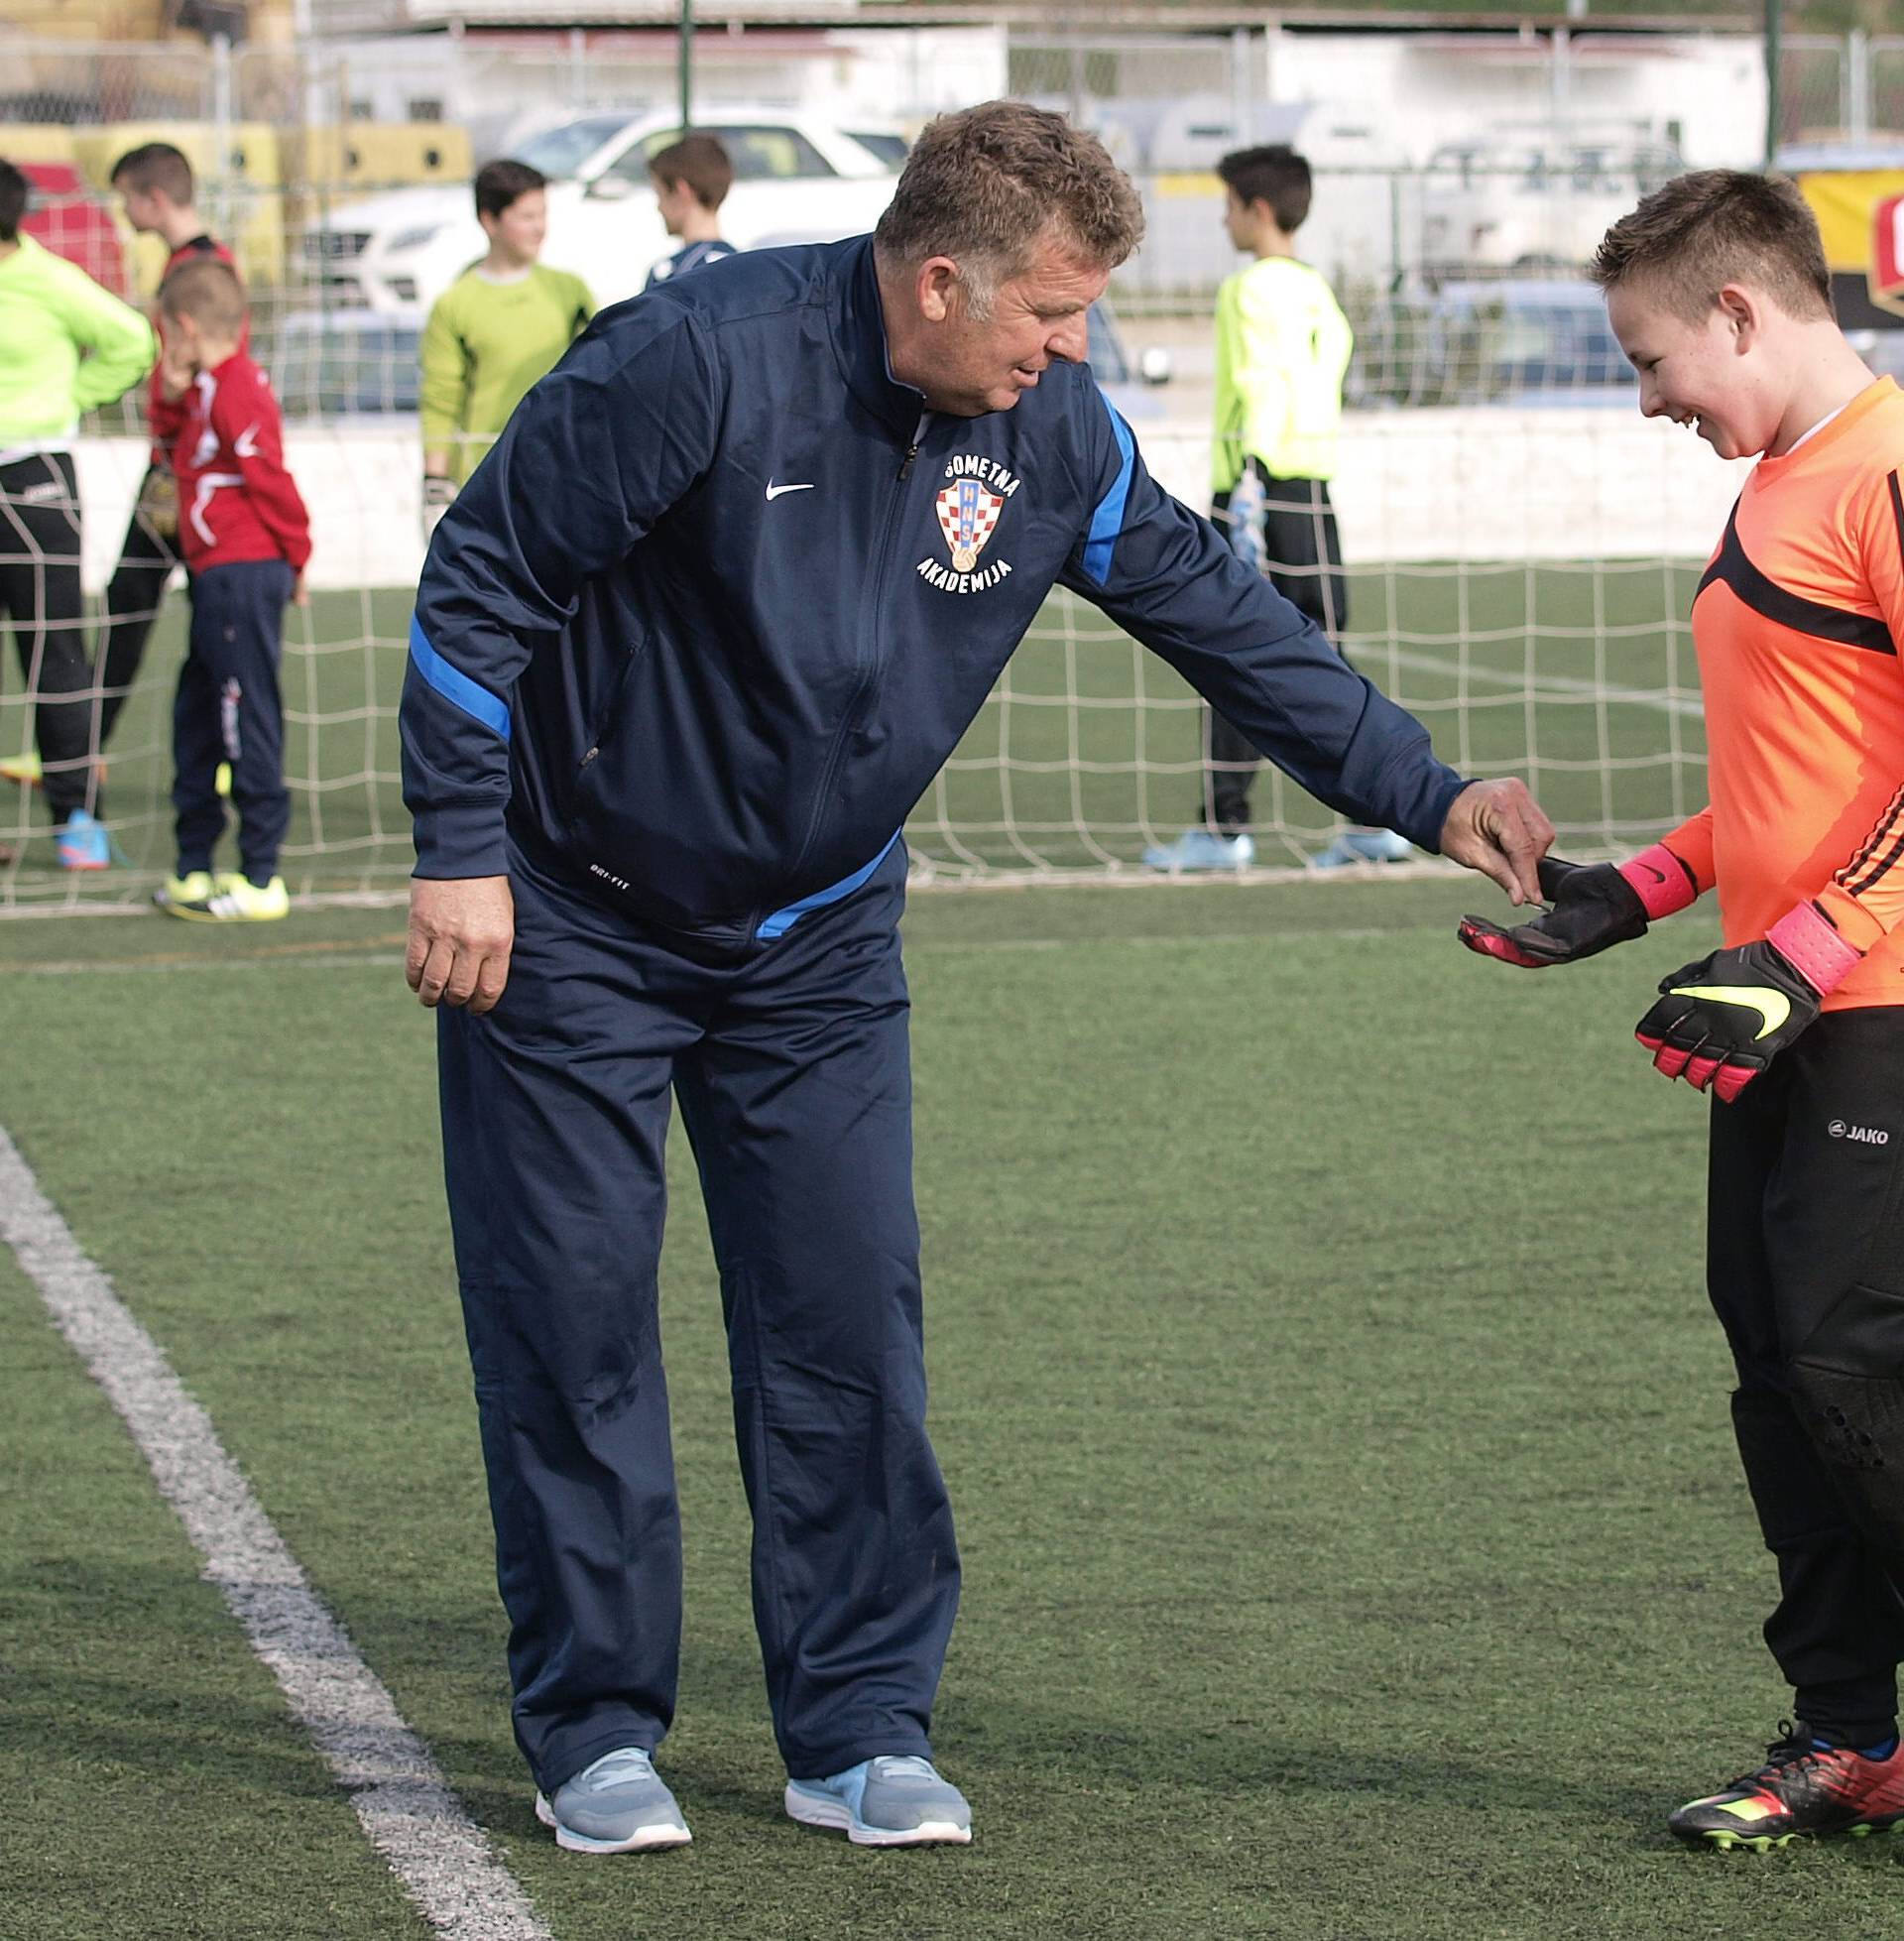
[245, 536]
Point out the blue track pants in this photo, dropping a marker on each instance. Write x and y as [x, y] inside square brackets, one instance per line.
[793, 1072]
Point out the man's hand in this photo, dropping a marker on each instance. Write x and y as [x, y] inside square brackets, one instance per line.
[461, 930]
[1594, 907]
[1722, 1020]
[1497, 828]
[300, 592]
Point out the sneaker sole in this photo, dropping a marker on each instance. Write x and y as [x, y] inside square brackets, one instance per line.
[192, 916]
[836, 1817]
[645, 1840]
[1763, 1843]
[1199, 868]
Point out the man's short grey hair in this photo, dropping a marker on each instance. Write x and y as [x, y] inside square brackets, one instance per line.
[988, 185]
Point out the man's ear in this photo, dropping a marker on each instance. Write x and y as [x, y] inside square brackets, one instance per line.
[938, 278]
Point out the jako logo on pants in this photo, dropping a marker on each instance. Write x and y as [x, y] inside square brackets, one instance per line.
[1858, 1135]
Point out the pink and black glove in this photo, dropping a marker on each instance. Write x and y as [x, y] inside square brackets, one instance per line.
[1722, 1020]
[1594, 906]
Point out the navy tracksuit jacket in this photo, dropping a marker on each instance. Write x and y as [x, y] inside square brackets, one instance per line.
[688, 647]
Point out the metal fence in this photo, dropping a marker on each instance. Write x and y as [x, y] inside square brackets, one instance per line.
[293, 146]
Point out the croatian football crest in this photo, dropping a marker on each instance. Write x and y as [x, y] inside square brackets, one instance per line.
[968, 512]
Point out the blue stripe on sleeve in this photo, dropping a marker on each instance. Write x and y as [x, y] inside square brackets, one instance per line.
[783, 920]
[1107, 521]
[469, 696]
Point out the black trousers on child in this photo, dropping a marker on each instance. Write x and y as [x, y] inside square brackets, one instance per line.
[1805, 1265]
[228, 709]
[39, 596]
[136, 592]
[1303, 558]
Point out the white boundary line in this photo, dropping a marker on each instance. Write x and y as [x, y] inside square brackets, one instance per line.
[439, 1857]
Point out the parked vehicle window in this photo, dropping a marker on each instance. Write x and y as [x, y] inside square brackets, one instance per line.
[890, 149]
[560, 152]
[772, 154]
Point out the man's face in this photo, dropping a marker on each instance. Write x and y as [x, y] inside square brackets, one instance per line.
[518, 231]
[1702, 375]
[975, 365]
[143, 208]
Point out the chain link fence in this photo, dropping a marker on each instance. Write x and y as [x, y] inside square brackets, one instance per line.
[297, 149]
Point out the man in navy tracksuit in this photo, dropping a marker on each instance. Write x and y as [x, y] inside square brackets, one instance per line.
[689, 645]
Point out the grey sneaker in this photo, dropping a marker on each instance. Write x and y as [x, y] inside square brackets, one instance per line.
[890, 1801]
[618, 1805]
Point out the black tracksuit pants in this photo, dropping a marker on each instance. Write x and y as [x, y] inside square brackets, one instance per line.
[136, 592]
[1805, 1265]
[1303, 559]
[791, 1070]
[39, 596]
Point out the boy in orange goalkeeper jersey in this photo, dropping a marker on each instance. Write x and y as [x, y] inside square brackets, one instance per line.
[1717, 289]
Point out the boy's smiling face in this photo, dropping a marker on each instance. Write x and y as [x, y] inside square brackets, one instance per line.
[1713, 375]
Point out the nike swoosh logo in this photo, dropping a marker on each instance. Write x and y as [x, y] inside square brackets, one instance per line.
[1773, 1007]
[1658, 876]
[774, 491]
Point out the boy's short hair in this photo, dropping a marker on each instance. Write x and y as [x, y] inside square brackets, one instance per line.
[1275, 174]
[209, 293]
[15, 191]
[699, 161]
[155, 166]
[1687, 241]
[499, 183]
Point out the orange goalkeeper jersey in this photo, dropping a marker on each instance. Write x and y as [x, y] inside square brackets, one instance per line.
[1798, 622]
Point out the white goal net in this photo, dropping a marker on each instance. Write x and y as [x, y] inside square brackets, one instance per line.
[1519, 577]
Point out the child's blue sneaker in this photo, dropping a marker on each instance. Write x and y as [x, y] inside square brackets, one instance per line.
[1202, 849]
[83, 843]
[1363, 846]
[891, 1802]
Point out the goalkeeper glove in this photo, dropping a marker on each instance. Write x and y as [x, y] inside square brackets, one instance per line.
[1240, 516]
[438, 494]
[1593, 907]
[1722, 1020]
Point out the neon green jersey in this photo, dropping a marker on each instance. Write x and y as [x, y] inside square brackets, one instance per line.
[484, 345]
[1282, 349]
[65, 346]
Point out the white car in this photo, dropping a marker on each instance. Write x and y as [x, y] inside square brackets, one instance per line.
[796, 179]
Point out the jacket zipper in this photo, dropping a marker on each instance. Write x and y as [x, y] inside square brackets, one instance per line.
[868, 674]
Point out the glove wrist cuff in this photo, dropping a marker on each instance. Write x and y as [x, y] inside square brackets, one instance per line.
[1660, 880]
[1805, 938]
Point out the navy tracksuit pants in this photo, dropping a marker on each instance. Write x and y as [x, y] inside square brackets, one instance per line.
[227, 709]
[792, 1073]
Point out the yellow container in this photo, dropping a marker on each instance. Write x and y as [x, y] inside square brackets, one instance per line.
[30, 141]
[367, 155]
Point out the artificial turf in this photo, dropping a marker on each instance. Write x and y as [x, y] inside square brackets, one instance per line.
[1353, 1544]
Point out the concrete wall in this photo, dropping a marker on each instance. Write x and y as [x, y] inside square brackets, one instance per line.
[1572, 484]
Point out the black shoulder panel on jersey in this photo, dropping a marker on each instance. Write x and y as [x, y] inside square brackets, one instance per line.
[1790, 609]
